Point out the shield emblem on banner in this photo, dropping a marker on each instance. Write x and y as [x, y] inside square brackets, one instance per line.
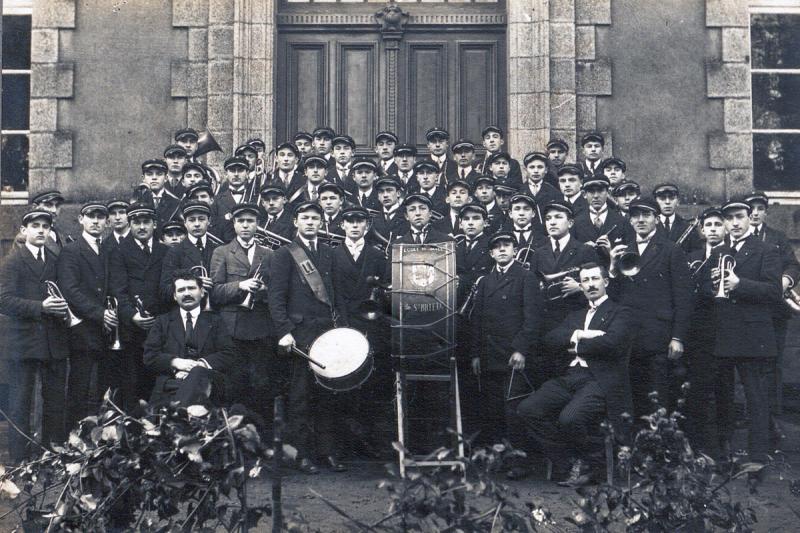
[422, 275]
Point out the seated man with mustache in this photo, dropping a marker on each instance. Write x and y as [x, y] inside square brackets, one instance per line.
[189, 349]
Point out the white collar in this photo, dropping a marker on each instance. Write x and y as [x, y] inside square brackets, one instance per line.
[149, 243]
[34, 249]
[429, 192]
[275, 216]
[194, 239]
[598, 302]
[120, 237]
[391, 210]
[362, 193]
[562, 242]
[386, 163]
[307, 242]
[574, 198]
[357, 244]
[159, 194]
[526, 229]
[671, 218]
[490, 205]
[648, 238]
[194, 312]
[504, 269]
[245, 245]
[91, 240]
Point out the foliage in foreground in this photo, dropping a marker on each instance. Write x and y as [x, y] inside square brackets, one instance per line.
[176, 469]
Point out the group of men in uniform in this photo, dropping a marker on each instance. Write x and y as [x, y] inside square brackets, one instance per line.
[582, 297]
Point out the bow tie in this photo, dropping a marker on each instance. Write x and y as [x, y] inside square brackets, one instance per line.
[643, 241]
[237, 191]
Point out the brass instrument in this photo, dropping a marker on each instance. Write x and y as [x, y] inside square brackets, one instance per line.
[374, 307]
[55, 292]
[206, 143]
[137, 301]
[688, 231]
[628, 263]
[436, 216]
[331, 239]
[523, 255]
[466, 308]
[607, 235]
[273, 241]
[792, 298]
[552, 284]
[202, 271]
[112, 305]
[214, 239]
[726, 263]
[249, 301]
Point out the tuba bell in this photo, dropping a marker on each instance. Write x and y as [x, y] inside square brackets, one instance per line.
[206, 143]
[628, 264]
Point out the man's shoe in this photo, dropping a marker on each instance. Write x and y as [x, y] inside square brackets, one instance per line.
[577, 472]
[334, 464]
[306, 466]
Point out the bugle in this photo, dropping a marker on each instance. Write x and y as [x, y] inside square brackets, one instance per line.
[552, 284]
[112, 305]
[466, 308]
[329, 238]
[139, 304]
[206, 143]
[273, 241]
[628, 263]
[249, 302]
[688, 231]
[374, 307]
[523, 255]
[55, 292]
[725, 264]
[202, 271]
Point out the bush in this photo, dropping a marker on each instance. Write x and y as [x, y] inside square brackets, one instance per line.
[176, 469]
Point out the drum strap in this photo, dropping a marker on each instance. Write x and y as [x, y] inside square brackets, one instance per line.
[310, 273]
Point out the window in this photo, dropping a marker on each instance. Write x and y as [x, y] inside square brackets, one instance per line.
[775, 78]
[16, 90]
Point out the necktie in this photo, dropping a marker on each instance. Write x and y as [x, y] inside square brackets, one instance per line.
[199, 245]
[598, 223]
[418, 237]
[97, 242]
[363, 200]
[156, 201]
[146, 249]
[312, 245]
[666, 224]
[189, 338]
[405, 176]
[471, 244]
[40, 256]
[463, 172]
[314, 194]
[556, 248]
[756, 231]
[270, 220]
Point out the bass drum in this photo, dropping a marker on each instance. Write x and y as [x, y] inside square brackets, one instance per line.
[345, 353]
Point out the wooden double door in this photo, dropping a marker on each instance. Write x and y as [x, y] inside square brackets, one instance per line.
[359, 82]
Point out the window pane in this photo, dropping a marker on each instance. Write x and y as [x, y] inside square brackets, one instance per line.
[775, 40]
[17, 41]
[14, 159]
[776, 101]
[776, 162]
[16, 101]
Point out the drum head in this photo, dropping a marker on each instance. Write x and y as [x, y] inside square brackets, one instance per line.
[341, 350]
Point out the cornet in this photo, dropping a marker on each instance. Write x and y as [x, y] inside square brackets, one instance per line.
[111, 305]
[552, 283]
[55, 292]
[249, 302]
[200, 270]
[725, 265]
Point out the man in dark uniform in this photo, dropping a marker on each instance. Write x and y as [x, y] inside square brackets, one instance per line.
[36, 335]
[429, 184]
[194, 251]
[570, 182]
[363, 174]
[83, 280]
[331, 200]
[187, 138]
[302, 306]
[118, 221]
[493, 142]
[557, 150]
[385, 143]
[417, 208]
[278, 217]
[154, 176]
[592, 145]
[506, 320]
[624, 194]
[561, 254]
[344, 148]
[239, 292]
[175, 156]
[255, 180]
[614, 169]
[523, 222]
[134, 274]
[666, 194]
[190, 350]
[781, 313]
[233, 191]
[500, 168]
[355, 264]
[288, 173]
[220, 229]
[314, 172]
[438, 140]
[304, 143]
[600, 226]
[536, 170]
[390, 221]
[745, 335]
[51, 201]
[405, 156]
[464, 156]
[173, 233]
[484, 192]
[701, 421]
[458, 195]
[660, 293]
[564, 415]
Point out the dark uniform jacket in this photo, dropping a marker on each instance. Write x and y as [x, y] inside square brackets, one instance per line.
[296, 182]
[471, 264]
[438, 199]
[676, 229]
[445, 224]
[617, 227]
[347, 184]
[292, 304]
[506, 317]
[283, 225]
[447, 172]
[514, 173]
[546, 194]
[166, 341]
[372, 202]
[134, 273]
[660, 295]
[167, 208]
[30, 333]
[350, 279]
[390, 227]
[229, 266]
[607, 355]
[183, 256]
[83, 280]
[791, 267]
[744, 320]
[580, 205]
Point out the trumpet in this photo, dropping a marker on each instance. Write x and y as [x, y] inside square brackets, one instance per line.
[331, 239]
[552, 286]
[273, 241]
[607, 235]
[137, 301]
[688, 231]
[200, 270]
[523, 255]
[249, 301]
[725, 264]
[112, 305]
[55, 292]
[466, 308]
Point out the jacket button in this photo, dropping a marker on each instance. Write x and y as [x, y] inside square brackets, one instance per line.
[505, 297]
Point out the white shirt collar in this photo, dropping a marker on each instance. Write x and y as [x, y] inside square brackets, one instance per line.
[362, 193]
[490, 205]
[648, 238]
[194, 239]
[244, 244]
[562, 242]
[574, 198]
[34, 249]
[307, 242]
[503, 270]
[119, 237]
[671, 219]
[599, 302]
[386, 163]
[149, 243]
[439, 158]
[92, 241]
[354, 244]
[194, 312]
[276, 216]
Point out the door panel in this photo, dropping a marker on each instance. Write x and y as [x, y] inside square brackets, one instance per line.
[476, 104]
[426, 72]
[357, 88]
[305, 92]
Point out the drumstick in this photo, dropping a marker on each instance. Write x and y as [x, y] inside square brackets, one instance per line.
[305, 356]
